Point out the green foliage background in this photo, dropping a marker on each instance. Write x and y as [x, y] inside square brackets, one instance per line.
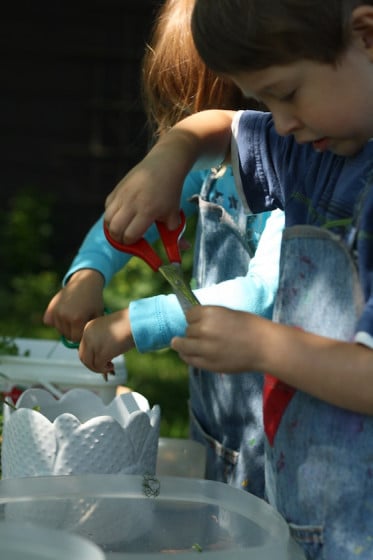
[31, 274]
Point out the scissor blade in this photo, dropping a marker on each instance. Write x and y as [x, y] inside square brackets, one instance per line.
[173, 274]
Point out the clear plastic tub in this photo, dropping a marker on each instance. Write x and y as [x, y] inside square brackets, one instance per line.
[30, 542]
[131, 517]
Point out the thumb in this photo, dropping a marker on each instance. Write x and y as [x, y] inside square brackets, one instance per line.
[48, 318]
[172, 220]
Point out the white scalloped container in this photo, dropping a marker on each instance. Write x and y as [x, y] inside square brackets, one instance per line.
[79, 434]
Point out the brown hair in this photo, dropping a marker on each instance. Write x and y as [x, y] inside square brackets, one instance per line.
[175, 81]
[238, 35]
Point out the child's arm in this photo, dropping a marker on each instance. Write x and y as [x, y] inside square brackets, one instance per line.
[219, 339]
[152, 322]
[151, 190]
[156, 320]
[81, 297]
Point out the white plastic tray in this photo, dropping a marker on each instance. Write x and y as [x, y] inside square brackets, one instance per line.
[50, 364]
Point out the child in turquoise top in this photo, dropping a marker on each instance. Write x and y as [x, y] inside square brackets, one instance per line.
[176, 84]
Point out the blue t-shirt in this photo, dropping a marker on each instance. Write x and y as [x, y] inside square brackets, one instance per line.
[319, 189]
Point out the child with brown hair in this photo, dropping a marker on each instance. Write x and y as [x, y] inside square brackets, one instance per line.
[311, 63]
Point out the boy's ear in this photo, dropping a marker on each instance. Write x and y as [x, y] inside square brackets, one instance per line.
[362, 26]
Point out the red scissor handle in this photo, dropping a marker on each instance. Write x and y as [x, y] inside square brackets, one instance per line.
[171, 237]
[145, 251]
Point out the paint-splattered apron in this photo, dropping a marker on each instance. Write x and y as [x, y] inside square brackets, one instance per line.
[226, 410]
[319, 458]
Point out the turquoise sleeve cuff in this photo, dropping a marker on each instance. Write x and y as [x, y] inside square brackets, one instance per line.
[155, 320]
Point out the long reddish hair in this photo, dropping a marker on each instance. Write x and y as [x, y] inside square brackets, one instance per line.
[175, 81]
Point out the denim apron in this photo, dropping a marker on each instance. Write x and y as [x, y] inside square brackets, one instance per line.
[319, 457]
[226, 410]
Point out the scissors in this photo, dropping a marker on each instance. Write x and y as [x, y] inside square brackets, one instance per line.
[172, 272]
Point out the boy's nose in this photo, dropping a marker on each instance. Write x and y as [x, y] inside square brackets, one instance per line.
[286, 123]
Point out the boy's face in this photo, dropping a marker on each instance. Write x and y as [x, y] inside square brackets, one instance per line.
[329, 106]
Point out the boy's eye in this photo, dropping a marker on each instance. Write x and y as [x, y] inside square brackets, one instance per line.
[288, 96]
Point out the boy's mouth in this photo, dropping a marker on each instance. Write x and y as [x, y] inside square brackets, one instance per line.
[321, 145]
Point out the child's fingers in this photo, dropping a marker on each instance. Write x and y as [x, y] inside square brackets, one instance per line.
[110, 197]
[186, 350]
[185, 346]
[117, 220]
[194, 314]
[96, 362]
[176, 343]
[172, 220]
[136, 227]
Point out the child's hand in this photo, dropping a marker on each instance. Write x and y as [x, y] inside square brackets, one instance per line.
[152, 190]
[149, 192]
[105, 338]
[77, 303]
[220, 339]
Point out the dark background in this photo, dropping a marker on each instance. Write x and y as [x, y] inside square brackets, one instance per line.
[71, 125]
[72, 122]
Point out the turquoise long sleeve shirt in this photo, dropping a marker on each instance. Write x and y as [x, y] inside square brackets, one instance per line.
[155, 320]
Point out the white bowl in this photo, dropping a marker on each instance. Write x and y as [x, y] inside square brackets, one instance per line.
[79, 434]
